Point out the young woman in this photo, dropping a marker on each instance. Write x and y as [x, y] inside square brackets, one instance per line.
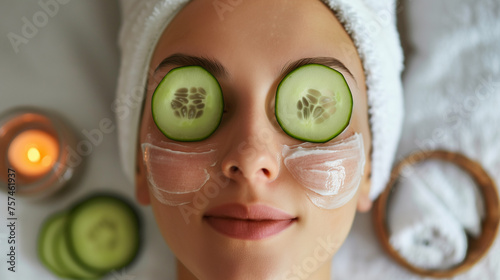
[261, 129]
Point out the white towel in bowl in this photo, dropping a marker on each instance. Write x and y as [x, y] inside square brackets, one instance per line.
[421, 229]
[456, 190]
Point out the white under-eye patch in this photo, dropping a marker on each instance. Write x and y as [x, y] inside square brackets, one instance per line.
[330, 172]
[174, 175]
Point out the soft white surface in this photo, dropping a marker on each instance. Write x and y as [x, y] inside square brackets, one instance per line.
[71, 66]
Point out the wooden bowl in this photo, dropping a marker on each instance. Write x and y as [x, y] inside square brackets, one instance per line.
[477, 247]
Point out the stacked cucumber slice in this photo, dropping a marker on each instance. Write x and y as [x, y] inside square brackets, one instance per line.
[96, 236]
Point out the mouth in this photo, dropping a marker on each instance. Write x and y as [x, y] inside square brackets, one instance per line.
[253, 222]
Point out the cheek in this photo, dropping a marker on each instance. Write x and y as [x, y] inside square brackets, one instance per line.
[182, 236]
[174, 176]
[330, 173]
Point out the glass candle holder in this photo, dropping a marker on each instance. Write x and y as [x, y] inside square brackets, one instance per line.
[35, 146]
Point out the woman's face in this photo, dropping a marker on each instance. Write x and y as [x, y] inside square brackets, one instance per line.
[228, 231]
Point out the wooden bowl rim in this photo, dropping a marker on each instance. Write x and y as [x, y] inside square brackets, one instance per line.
[490, 224]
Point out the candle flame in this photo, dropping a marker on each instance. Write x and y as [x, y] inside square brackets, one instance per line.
[33, 154]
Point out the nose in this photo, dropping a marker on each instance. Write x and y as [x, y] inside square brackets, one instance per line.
[253, 155]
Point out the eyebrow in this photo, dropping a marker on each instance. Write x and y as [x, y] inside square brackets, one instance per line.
[217, 69]
[178, 59]
[327, 61]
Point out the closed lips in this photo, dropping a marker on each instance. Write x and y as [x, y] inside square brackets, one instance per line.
[252, 222]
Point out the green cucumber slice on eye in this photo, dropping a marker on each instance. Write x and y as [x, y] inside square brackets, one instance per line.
[313, 103]
[188, 104]
[103, 233]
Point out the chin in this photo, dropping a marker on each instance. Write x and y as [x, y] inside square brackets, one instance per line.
[242, 269]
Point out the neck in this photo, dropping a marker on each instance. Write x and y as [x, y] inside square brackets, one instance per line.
[322, 273]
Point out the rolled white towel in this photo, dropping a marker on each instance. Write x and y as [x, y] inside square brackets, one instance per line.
[422, 230]
[456, 189]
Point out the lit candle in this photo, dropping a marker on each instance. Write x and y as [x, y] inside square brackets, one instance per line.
[33, 152]
[36, 145]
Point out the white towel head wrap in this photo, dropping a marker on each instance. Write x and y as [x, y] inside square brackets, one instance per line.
[371, 25]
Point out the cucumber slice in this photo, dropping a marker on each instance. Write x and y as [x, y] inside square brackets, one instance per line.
[187, 105]
[313, 103]
[68, 262]
[54, 253]
[103, 233]
[49, 235]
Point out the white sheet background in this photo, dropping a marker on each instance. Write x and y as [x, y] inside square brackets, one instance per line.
[70, 65]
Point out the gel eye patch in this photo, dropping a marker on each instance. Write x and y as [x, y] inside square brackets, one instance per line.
[331, 173]
[188, 104]
[313, 103]
[166, 172]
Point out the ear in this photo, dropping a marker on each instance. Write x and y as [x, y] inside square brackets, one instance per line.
[141, 183]
[364, 201]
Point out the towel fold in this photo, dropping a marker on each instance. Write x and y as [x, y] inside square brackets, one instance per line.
[421, 229]
[456, 190]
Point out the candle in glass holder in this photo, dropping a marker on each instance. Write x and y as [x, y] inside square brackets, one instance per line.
[33, 152]
[36, 145]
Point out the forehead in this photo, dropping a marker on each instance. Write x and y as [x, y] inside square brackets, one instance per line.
[261, 35]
